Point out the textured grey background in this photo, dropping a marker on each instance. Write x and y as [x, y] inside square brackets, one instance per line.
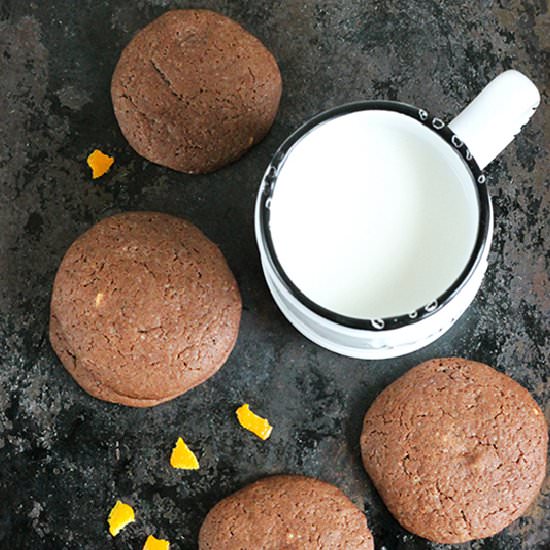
[65, 457]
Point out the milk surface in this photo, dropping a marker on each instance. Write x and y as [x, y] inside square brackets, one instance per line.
[373, 215]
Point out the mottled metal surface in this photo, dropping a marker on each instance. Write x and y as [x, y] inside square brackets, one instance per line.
[65, 457]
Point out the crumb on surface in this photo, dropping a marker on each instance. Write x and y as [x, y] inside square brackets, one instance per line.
[153, 543]
[99, 162]
[183, 457]
[120, 516]
[253, 423]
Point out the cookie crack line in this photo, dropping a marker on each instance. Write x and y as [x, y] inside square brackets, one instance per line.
[152, 121]
[166, 80]
[78, 366]
[467, 523]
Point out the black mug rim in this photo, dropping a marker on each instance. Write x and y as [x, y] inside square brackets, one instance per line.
[440, 128]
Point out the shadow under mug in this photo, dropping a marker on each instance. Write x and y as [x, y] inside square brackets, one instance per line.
[503, 107]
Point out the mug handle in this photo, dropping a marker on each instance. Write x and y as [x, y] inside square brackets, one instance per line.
[492, 120]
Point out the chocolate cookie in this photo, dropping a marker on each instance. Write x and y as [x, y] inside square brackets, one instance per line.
[193, 91]
[286, 511]
[456, 450]
[144, 307]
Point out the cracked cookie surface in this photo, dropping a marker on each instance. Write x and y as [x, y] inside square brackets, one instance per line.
[144, 307]
[286, 511]
[456, 449]
[194, 91]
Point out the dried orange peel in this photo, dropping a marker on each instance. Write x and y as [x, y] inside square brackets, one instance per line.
[99, 162]
[253, 423]
[153, 543]
[119, 517]
[183, 457]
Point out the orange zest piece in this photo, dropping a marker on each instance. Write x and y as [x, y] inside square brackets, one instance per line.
[253, 423]
[183, 457]
[156, 544]
[100, 163]
[119, 517]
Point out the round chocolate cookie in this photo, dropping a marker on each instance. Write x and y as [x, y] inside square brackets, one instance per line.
[193, 91]
[286, 511]
[144, 307]
[456, 450]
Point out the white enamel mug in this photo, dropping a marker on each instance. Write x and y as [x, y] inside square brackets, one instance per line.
[374, 222]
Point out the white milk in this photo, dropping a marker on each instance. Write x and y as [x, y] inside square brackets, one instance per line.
[373, 215]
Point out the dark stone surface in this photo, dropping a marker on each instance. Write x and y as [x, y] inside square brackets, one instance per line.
[65, 457]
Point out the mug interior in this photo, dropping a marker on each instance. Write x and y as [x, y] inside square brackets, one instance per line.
[374, 214]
